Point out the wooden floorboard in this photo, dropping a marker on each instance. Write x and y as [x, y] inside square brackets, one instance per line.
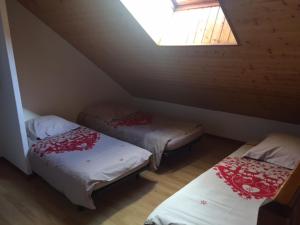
[29, 200]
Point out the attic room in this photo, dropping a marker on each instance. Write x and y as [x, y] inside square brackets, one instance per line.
[150, 112]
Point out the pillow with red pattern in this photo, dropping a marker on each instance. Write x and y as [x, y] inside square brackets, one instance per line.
[279, 149]
[47, 126]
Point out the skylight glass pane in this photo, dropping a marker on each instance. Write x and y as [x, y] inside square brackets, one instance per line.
[166, 26]
[153, 15]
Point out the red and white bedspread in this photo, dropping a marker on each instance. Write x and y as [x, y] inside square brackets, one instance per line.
[145, 130]
[76, 162]
[228, 194]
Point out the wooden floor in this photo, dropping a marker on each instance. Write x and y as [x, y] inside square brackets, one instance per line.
[31, 201]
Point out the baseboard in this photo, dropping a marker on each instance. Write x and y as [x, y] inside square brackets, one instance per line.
[228, 125]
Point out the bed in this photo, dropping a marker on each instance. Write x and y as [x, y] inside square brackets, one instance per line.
[155, 133]
[78, 160]
[231, 193]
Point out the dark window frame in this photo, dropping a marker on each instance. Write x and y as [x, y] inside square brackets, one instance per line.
[180, 5]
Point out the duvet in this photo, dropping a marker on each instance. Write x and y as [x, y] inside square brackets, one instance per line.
[77, 162]
[142, 129]
[228, 194]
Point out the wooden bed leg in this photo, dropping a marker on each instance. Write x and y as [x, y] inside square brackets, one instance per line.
[284, 210]
[274, 214]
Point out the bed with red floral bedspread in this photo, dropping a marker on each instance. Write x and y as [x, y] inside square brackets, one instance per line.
[152, 132]
[230, 193]
[82, 160]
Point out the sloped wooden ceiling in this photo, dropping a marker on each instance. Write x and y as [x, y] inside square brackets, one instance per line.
[260, 77]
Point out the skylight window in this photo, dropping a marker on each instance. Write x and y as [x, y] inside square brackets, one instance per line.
[182, 22]
[194, 4]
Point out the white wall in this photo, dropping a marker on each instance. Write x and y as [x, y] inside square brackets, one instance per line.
[228, 125]
[54, 77]
[28, 115]
[13, 141]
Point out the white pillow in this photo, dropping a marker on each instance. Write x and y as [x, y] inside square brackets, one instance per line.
[47, 126]
[279, 149]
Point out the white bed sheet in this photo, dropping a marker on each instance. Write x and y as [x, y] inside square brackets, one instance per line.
[207, 200]
[78, 173]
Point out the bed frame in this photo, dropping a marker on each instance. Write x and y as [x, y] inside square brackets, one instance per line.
[285, 208]
[122, 179]
[185, 147]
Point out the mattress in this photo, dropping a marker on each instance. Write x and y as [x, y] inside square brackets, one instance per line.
[230, 193]
[80, 161]
[102, 184]
[184, 139]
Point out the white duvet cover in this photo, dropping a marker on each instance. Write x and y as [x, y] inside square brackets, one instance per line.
[75, 163]
[228, 194]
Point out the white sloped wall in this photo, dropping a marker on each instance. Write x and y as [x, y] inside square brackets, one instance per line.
[49, 74]
[13, 141]
[54, 77]
[223, 124]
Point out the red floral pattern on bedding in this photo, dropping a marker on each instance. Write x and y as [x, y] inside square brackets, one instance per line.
[81, 139]
[252, 179]
[134, 119]
[203, 202]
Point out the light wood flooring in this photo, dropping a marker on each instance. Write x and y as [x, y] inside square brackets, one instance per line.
[31, 201]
